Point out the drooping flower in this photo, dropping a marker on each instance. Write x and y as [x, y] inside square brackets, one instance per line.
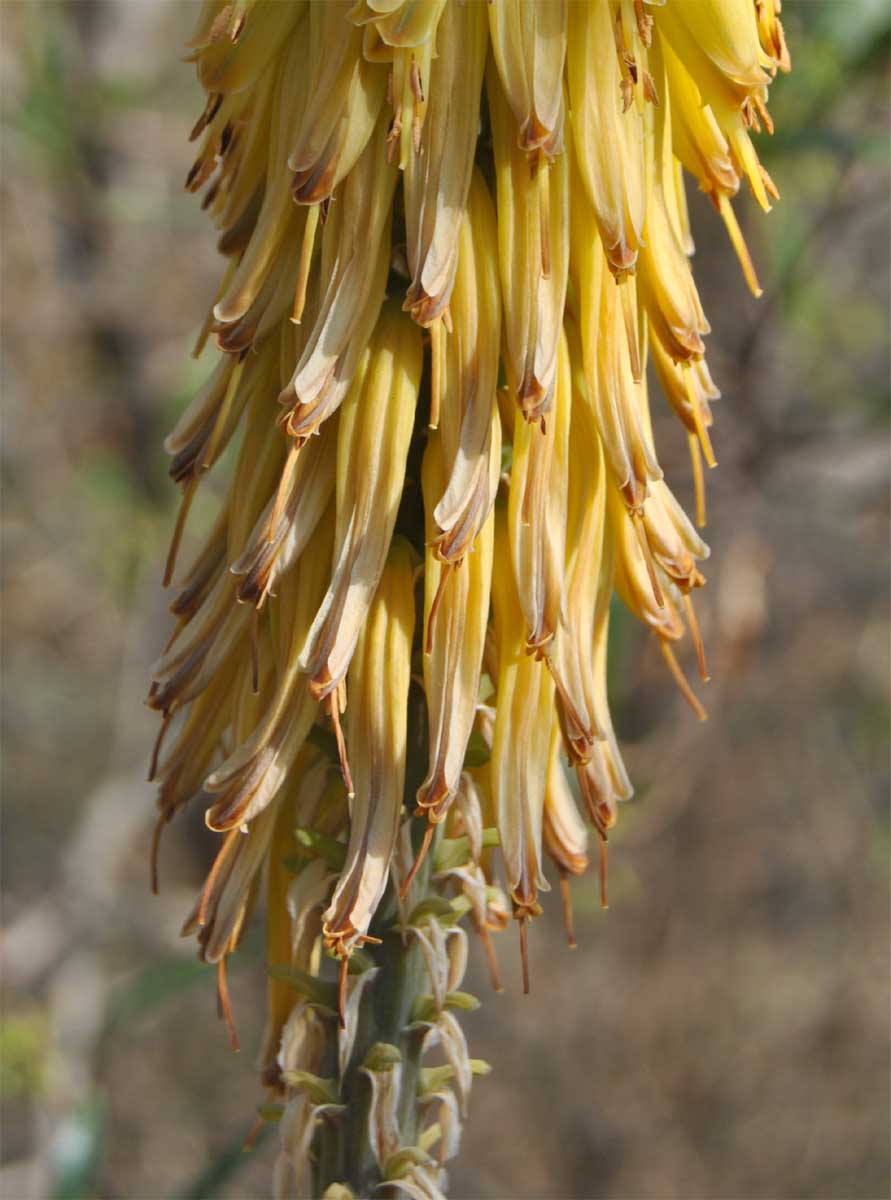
[454, 233]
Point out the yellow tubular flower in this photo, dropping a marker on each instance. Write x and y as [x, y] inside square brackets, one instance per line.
[464, 377]
[344, 97]
[454, 234]
[372, 444]
[376, 733]
[537, 513]
[608, 133]
[437, 177]
[572, 659]
[529, 45]
[533, 245]
[456, 614]
[520, 746]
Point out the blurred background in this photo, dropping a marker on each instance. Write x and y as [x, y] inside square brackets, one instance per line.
[722, 1031]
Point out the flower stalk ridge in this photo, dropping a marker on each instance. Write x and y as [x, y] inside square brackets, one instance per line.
[453, 233]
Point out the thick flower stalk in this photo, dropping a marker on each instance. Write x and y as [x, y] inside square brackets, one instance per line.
[454, 234]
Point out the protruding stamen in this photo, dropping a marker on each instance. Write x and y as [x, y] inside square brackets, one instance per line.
[567, 910]
[306, 249]
[628, 297]
[604, 898]
[416, 865]
[255, 650]
[342, 991]
[181, 517]
[213, 445]
[739, 245]
[334, 713]
[444, 574]
[156, 750]
[704, 440]
[544, 216]
[491, 960]
[436, 351]
[681, 680]
[698, 478]
[253, 1133]
[283, 484]
[637, 522]
[226, 1004]
[155, 850]
[697, 637]
[213, 873]
[415, 81]
[524, 956]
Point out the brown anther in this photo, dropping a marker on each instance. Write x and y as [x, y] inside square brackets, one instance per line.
[644, 24]
[416, 82]
[761, 109]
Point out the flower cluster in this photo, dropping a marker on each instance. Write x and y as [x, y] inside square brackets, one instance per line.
[454, 233]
